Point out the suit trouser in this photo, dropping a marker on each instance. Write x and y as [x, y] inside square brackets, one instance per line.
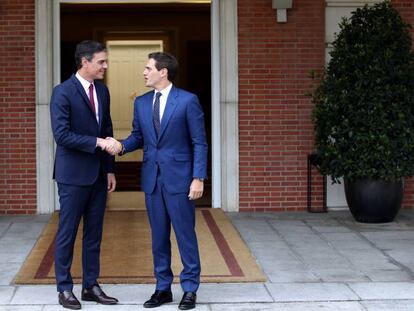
[165, 209]
[76, 202]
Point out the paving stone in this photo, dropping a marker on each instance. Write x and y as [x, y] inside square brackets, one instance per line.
[389, 305]
[297, 292]
[24, 308]
[17, 245]
[255, 230]
[402, 256]
[3, 228]
[291, 276]
[6, 294]
[12, 257]
[348, 241]
[24, 231]
[389, 275]
[341, 274]
[332, 229]
[8, 271]
[26, 218]
[383, 290]
[233, 292]
[35, 295]
[311, 306]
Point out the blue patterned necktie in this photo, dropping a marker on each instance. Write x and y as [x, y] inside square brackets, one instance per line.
[156, 113]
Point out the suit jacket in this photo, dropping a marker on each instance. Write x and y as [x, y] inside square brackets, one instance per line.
[180, 151]
[78, 161]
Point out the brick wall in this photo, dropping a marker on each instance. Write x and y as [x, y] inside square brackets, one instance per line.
[17, 107]
[406, 9]
[276, 132]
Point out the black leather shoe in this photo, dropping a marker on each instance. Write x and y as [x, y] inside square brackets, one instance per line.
[188, 301]
[158, 298]
[95, 293]
[68, 300]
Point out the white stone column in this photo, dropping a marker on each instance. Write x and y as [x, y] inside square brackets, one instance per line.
[44, 78]
[229, 99]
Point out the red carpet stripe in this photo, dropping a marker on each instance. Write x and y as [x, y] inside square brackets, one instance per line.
[47, 262]
[222, 244]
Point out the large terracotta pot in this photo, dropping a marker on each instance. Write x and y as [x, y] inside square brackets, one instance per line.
[374, 201]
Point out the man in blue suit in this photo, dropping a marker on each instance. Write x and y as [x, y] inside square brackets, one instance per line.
[80, 118]
[169, 125]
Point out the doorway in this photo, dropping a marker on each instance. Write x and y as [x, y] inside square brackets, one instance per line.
[182, 29]
[125, 82]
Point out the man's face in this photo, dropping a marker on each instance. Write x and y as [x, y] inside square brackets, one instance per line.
[95, 69]
[152, 76]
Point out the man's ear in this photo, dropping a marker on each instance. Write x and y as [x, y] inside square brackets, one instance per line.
[164, 72]
[84, 62]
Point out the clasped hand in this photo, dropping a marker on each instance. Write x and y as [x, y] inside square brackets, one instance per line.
[110, 145]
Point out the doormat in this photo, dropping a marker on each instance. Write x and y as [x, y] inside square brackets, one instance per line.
[126, 256]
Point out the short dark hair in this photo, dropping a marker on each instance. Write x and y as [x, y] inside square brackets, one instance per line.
[87, 49]
[165, 60]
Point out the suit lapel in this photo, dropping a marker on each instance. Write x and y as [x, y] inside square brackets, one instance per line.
[82, 92]
[100, 103]
[169, 110]
[148, 114]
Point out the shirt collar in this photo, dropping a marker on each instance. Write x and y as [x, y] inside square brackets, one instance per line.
[165, 91]
[85, 83]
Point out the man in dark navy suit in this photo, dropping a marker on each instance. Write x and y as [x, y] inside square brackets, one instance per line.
[80, 117]
[169, 125]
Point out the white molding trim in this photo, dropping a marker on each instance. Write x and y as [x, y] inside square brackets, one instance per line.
[225, 140]
[215, 106]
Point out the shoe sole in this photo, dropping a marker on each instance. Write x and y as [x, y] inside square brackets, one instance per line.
[97, 301]
[157, 305]
[70, 307]
[186, 308]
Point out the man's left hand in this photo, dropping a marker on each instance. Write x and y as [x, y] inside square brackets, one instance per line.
[196, 189]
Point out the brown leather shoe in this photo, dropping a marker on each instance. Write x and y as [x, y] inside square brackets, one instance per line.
[188, 301]
[68, 300]
[158, 298]
[95, 293]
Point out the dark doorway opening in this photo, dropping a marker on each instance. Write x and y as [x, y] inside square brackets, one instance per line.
[187, 29]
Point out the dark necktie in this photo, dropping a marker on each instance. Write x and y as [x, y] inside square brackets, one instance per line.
[91, 99]
[156, 113]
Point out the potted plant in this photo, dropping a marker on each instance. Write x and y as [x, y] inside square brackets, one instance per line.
[364, 111]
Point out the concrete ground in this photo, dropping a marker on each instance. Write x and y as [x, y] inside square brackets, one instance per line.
[312, 261]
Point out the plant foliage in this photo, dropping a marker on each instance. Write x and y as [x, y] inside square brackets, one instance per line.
[364, 104]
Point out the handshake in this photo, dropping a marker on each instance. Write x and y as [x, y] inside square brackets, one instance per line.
[110, 145]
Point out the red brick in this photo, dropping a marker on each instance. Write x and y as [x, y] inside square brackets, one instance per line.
[274, 115]
[17, 108]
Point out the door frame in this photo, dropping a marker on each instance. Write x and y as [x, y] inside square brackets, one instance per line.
[224, 99]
